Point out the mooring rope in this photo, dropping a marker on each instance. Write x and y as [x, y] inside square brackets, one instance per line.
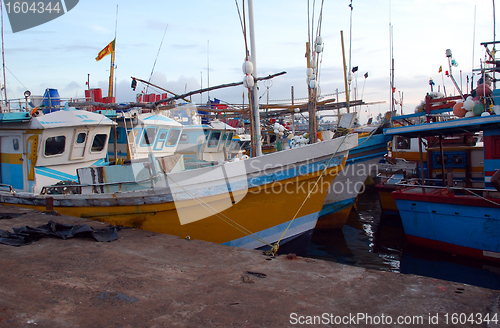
[275, 247]
[229, 221]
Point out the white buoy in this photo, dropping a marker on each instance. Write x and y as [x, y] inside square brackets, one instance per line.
[248, 81]
[468, 104]
[247, 67]
[309, 72]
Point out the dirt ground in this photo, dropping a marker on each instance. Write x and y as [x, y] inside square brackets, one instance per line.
[145, 279]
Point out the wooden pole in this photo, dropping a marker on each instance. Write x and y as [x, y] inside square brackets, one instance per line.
[111, 74]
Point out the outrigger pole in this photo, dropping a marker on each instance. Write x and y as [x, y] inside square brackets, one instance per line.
[166, 100]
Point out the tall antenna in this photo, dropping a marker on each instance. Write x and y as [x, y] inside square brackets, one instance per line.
[208, 69]
[473, 45]
[3, 61]
[154, 64]
[494, 23]
[391, 51]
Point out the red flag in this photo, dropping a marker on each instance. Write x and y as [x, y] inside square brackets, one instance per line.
[440, 69]
[106, 51]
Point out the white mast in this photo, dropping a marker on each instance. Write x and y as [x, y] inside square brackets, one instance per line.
[255, 95]
[7, 105]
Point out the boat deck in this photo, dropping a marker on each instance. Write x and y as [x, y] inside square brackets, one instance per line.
[146, 279]
[452, 196]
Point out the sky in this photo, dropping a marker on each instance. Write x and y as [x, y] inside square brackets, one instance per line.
[192, 44]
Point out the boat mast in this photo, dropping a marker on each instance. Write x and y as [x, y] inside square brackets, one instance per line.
[392, 71]
[3, 62]
[254, 94]
[345, 73]
[112, 65]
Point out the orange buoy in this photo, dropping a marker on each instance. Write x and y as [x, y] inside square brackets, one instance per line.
[459, 109]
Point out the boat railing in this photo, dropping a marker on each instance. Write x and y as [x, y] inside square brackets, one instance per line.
[11, 189]
[45, 190]
[473, 191]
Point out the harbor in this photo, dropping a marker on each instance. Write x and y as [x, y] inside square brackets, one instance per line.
[146, 279]
[208, 206]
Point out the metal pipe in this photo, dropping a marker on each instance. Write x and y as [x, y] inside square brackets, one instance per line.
[255, 95]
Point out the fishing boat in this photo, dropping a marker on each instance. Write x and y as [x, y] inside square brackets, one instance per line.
[249, 203]
[453, 217]
[464, 151]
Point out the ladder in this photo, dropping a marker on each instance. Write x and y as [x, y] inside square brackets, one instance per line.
[129, 132]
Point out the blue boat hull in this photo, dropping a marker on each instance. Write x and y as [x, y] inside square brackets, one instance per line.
[450, 223]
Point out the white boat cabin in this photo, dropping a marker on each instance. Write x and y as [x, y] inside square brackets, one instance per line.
[138, 134]
[47, 150]
[206, 142]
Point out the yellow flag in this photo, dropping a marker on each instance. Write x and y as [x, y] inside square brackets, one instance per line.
[106, 51]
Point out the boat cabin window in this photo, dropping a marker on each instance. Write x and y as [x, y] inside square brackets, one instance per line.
[224, 138]
[149, 137]
[162, 137]
[15, 143]
[214, 139]
[82, 136]
[55, 145]
[402, 143]
[99, 143]
[184, 138]
[207, 133]
[229, 139]
[173, 138]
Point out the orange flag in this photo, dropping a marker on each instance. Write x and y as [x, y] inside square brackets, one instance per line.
[106, 51]
[440, 69]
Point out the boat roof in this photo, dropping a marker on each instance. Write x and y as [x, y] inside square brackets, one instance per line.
[157, 119]
[69, 117]
[242, 137]
[215, 125]
[451, 127]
